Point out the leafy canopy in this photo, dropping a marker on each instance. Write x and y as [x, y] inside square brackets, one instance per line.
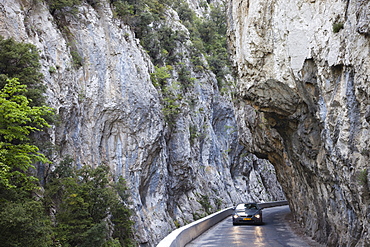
[23, 221]
[17, 120]
[21, 60]
[86, 201]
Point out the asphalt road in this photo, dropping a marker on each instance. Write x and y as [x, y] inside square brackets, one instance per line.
[274, 232]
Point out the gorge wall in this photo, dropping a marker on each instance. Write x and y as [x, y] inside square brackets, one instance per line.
[98, 79]
[304, 103]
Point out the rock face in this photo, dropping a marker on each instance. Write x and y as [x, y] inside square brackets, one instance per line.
[98, 80]
[304, 94]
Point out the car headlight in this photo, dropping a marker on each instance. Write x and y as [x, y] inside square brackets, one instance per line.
[236, 216]
[257, 216]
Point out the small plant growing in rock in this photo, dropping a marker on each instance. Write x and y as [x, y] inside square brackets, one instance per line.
[337, 27]
[205, 202]
[362, 177]
[194, 134]
[177, 223]
[67, 6]
[52, 69]
[218, 202]
[77, 59]
[160, 76]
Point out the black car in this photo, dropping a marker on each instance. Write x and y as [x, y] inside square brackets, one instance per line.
[247, 213]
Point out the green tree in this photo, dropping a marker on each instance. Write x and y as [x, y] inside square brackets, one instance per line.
[17, 121]
[86, 202]
[23, 221]
[20, 60]
[160, 75]
[63, 5]
[212, 32]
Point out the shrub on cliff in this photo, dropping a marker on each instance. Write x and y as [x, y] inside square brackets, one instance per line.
[212, 31]
[208, 35]
[21, 60]
[60, 5]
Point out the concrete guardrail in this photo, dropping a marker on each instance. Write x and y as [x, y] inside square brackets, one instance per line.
[183, 235]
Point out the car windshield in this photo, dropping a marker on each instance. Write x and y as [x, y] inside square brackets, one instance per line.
[251, 207]
[246, 207]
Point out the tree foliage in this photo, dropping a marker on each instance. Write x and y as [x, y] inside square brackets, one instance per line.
[88, 206]
[208, 34]
[21, 60]
[23, 221]
[17, 120]
[89, 209]
[66, 5]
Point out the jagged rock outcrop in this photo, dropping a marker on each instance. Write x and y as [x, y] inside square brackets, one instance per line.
[98, 80]
[304, 97]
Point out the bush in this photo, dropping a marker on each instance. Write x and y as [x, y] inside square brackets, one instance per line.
[86, 202]
[184, 76]
[337, 27]
[20, 60]
[362, 177]
[171, 102]
[123, 10]
[160, 76]
[76, 58]
[63, 5]
[24, 223]
[185, 13]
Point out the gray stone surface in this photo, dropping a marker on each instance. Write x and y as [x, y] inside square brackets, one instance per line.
[110, 113]
[304, 104]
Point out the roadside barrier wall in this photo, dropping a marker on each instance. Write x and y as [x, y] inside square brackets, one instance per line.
[183, 235]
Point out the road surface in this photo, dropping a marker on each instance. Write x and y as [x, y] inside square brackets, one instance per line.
[275, 232]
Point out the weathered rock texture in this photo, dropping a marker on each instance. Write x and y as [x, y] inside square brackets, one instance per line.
[303, 78]
[110, 113]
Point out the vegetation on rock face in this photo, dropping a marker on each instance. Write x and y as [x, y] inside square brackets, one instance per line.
[22, 112]
[148, 20]
[20, 60]
[63, 5]
[209, 37]
[164, 43]
[362, 177]
[205, 48]
[170, 92]
[87, 209]
[17, 121]
[22, 218]
[337, 27]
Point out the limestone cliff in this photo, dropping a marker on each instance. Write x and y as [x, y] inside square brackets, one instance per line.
[304, 94]
[99, 81]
